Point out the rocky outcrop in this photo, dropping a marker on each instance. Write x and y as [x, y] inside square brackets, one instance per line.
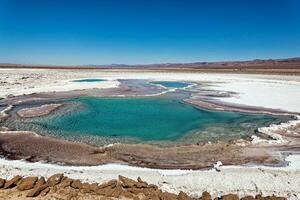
[2, 182]
[27, 183]
[12, 182]
[205, 196]
[230, 197]
[55, 179]
[37, 190]
[59, 186]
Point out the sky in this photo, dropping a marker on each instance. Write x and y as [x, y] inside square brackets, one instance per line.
[82, 32]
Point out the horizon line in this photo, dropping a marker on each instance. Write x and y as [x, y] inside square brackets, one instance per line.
[162, 63]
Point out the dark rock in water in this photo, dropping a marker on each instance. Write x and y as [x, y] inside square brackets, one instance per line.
[230, 197]
[12, 182]
[205, 196]
[2, 182]
[37, 190]
[27, 183]
[55, 179]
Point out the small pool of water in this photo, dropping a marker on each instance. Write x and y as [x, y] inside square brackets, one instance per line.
[144, 119]
[89, 80]
[172, 84]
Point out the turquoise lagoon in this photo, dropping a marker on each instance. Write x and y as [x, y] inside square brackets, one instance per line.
[147, 119]
[172, 84]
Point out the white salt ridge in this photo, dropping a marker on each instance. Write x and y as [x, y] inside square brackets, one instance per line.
[273, 129]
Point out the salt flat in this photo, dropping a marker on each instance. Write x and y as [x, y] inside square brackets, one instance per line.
[268, 91]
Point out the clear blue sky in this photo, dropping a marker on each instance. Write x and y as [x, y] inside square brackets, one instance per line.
[153, 31]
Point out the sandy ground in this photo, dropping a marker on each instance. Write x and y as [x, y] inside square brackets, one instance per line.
[269, 91]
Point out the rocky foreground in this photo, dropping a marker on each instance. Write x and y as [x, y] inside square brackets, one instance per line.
[59, 186]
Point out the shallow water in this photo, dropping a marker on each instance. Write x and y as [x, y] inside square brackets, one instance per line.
[134, 120]
[172, 84]
[89, 80]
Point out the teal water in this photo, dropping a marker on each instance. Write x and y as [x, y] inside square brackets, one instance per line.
[172, 84]
[144, 119]
[89, 80]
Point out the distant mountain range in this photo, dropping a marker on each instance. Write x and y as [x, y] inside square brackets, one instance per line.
[287, 63]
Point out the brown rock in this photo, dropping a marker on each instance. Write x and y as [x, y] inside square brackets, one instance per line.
[149, 191]
[230, 197]
[153, 186]
[127, 194]
[55, 179]
[205, 196]
[86, 187]
[40, 182]
[104, 191]
[112, 184]
[135, 191]
[127, 182]
[273, 197]
[141, 184]
[66, 182]
[45, 192]
[2, 182]
[259, 197]
[154, 196]
[76, 184]
[183, 196]
[248, 198]
[27, 183]
[12, 182]
[37, 190]
[167, 196]
[117, 192]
